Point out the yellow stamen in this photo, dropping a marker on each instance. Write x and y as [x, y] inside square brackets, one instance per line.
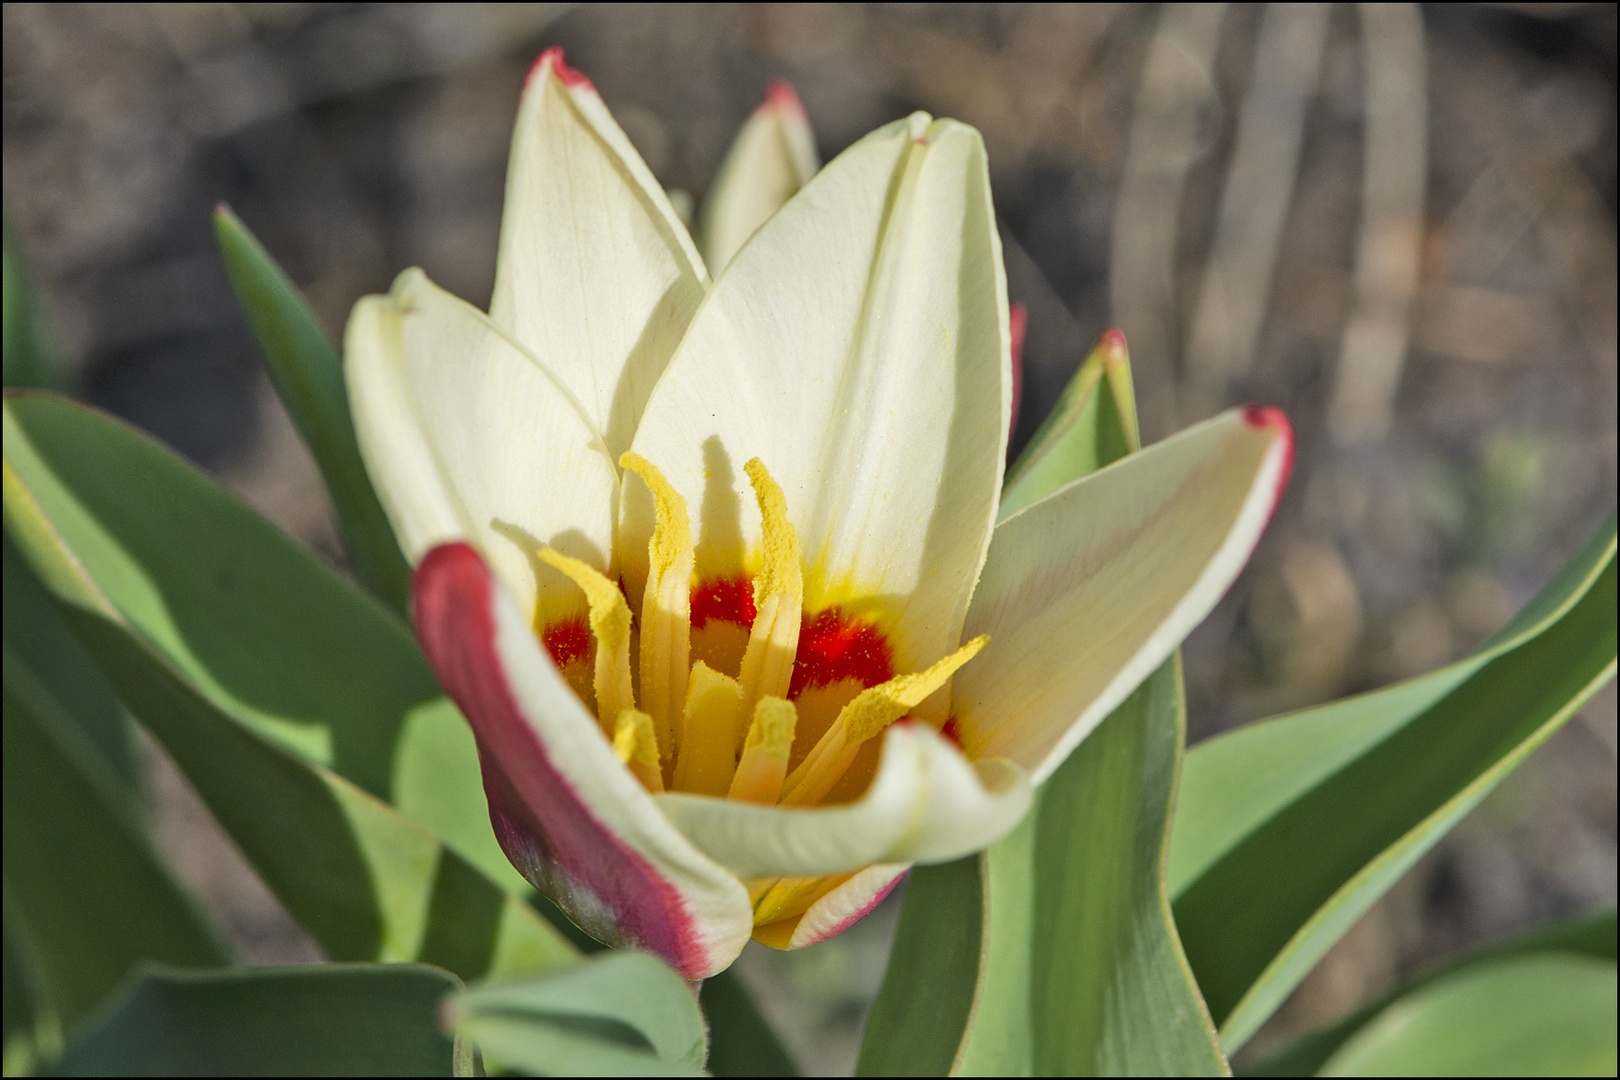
[767, 666]
[787, 897]
[765, 756]
[713, 728]
[873, 709]
[637, 747]
[610, 622]
[666, 606]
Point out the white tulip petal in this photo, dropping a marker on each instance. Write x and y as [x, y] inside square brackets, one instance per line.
[772, 157]
[597, 275]
[1089, 590]
[927, 804]
[858, 346]
[466, 436]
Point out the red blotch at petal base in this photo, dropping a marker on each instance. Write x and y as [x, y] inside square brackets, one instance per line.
[545, 828]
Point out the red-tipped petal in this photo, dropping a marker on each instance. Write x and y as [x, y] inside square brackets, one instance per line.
[559, 66]
[1017, 324]
[570, 817]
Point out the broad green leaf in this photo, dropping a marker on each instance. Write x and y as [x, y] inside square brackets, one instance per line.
[617, 1014]
[1288, 830]
[1591, 936]
[1092, 424]
[320, 1020]
[85, 896]
[263, 631]
[741, 1040]
[28, 359]
[186, 624]
[1539, 1015]
[308, 375]
[1054, 951]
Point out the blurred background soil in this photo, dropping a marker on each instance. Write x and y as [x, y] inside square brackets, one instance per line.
[1397, 223]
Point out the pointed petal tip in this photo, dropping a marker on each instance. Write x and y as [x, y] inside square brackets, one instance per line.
[1270, 418]
[558, 63]
[1112, 345]
[782, 97]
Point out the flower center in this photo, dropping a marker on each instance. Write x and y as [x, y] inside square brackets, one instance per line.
[725, 686]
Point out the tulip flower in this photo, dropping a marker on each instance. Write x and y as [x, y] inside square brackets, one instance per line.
[713, 571]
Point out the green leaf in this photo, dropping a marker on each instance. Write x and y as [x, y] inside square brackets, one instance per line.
[251, 664]
[1288, 830]
[28, 359]
[320, 1020]
[1592, 936]
[1054, 951]
[308, 375]
[1092, 425]
[266, 633]
[616, 1014]
[741, 1041]
[1537, 1015]
[85, 896]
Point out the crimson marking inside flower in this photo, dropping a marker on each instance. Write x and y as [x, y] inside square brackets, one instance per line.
[742, 694]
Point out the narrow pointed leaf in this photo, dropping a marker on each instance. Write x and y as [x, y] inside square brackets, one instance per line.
[28, 357]
[620, 1013]
[741, 1040]
[85, 895]
[148, 600]
[1536, 1015]
[1588, 936]
[305, 369]
[1289, 829]
[326, 1020]
[1092, 424]
[1054, 951]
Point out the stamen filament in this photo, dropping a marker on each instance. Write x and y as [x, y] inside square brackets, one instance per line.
[713, 728]
[767, 667]
[610, 623]
[666, 606]
[637, 747]
[765, 756]
[872, 710]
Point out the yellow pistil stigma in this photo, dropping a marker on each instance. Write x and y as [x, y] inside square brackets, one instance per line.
[765, 755]
[872, 710]
[767, 666]
[666, 605]
[712, 729]
[610, 623]
[637, 747]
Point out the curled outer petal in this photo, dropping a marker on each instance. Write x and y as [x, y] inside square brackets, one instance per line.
[568, 813]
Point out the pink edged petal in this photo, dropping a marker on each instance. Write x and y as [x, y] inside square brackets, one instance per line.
[1087, 591]
[927, 803]
[843, 907]
[569, 815]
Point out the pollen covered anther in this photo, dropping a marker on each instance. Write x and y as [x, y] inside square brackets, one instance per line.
[765, 755]
[666, 606]
[872, 710]
[634, 742]
[767, 667]
[610, 623]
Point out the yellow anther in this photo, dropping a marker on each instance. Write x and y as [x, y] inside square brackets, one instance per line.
[637, 747]
[712, 729]
[767, 666]
[765, 756]
[610, 622]
[666, 605]
[872, 710]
